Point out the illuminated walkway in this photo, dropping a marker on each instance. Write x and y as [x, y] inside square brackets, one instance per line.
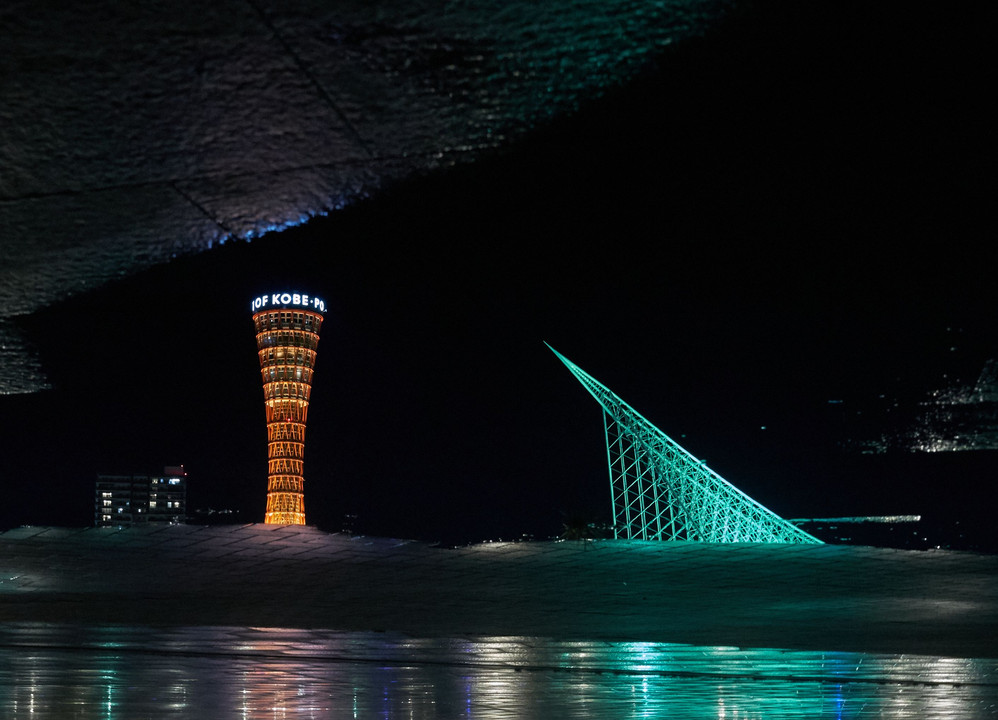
[628, 626]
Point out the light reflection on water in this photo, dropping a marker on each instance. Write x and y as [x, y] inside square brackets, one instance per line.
[125, 672]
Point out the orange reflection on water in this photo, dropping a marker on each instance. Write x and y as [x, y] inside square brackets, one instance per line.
[254, 673]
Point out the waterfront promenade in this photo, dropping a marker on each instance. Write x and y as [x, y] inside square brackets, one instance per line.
[824, 597]
[279, 621]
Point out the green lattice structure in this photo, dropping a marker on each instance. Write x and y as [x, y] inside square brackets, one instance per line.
[661, 492]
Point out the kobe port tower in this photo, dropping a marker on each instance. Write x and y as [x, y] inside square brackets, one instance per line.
[287, 335]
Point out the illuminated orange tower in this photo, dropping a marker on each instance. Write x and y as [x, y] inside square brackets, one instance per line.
[287, 334]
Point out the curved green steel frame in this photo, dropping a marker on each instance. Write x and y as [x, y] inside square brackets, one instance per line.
[661, 492]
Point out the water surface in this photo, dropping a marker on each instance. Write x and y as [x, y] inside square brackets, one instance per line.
[51, 671]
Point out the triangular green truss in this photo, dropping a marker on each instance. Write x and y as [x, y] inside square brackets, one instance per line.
[661, 492]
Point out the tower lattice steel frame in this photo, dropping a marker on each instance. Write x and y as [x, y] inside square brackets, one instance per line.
[660, 491]
[287, 335]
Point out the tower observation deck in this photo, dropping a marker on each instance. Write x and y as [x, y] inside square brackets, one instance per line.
[287, 335]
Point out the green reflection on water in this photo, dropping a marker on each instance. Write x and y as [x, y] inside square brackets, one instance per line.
[245, 673]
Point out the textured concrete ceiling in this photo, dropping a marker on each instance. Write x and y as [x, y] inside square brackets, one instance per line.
[130, 134]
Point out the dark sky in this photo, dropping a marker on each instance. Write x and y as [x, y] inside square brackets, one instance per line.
[790, 211]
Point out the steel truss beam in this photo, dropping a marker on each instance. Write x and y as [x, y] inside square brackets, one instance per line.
[661, 492]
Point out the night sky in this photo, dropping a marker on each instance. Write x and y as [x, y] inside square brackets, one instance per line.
[769, 237]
